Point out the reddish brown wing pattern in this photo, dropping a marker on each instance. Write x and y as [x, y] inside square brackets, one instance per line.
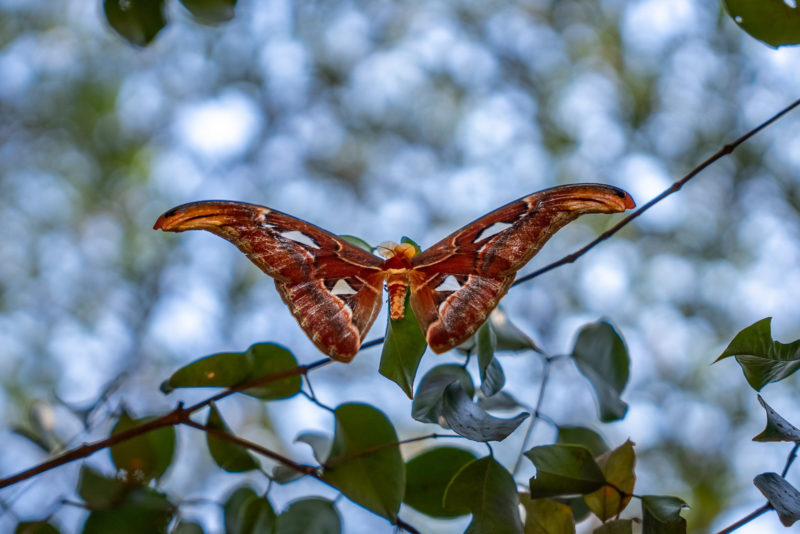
[457, 282]
[332, 288]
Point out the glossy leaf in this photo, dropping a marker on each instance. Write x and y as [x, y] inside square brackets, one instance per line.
[580, 435]
[663, 508]
[578, 506]
[188, 527]
[781, 495]
[142, 510]
[247, 513]
[320, 444]
[619, 526]
[229, 456]
[762, 359]
[211, 11]
[310, 516]
[35, 527]
[98, 491]
[403, 347]
[544, 516]
[234, 368]
[358, 242]
[466, 419]
[283, 474]
[602, 357]
[365, 462]
[427, 405]
[492, 377]
[488, 490]
[145, 457]
[778, 428]
[509, 336]
[774, 22]
[138, 21]
[234, 508]
[499, 401]
[427, 477]
[617, 467]
[563, 470]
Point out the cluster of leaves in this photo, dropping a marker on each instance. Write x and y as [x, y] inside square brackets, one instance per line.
[139, 21]
[576, 477]
[764, 360]
[773, 22]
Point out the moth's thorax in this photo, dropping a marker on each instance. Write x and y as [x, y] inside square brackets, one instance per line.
[397, 269]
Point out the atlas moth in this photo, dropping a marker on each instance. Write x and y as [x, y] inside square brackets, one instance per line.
[334, 289]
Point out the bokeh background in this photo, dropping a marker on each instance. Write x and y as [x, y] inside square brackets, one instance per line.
[382, 119]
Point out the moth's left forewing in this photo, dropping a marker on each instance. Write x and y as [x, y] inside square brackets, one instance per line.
[332, 288]
[461, 279]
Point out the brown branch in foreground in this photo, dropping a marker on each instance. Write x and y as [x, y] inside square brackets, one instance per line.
[177, 416]
[766, 507]
[724, 151]
[304, 469]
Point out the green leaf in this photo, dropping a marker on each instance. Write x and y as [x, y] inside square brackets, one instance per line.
[211, 11]
[247, 513]
[233, 368]
[365, 462]
[492, 377]
[564, 470]
[35, 527]
[488, 490]
[427, 476]
[427, 405]
[617, 467]
[580, 435]
[602, 357]
[229, 456]
[781, 495]
[660, 515]
[468, 420]
[142, 510]
[97, 491]
[188, 527]
[283, 474]
[358, 242]
[772, 21]
[578, 506]
[762, 359]
[320, 444]
[619, 526]
[509, 336]
[403, 347]
[663, 508]
[234, 508]
[778, 428]
[138, 21]
[499, 401]
[310, 516]
[543, 516]
[147, 456]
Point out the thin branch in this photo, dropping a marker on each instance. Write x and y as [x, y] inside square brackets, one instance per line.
[675, 187]
[743, 521]
[766, 507]
[175, 417]
[537, 411]
[236, 440]
[305, 469]
[790, 459]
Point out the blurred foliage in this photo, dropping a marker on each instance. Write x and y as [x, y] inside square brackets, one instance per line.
[362, 117]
